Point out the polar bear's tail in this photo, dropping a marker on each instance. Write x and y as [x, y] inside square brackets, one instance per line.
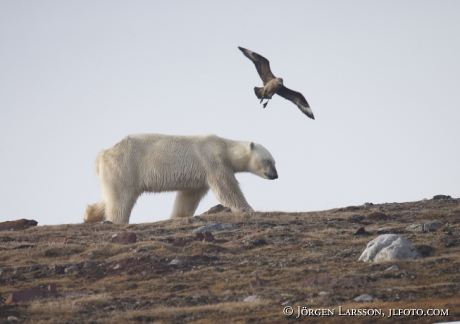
[259, 92]
[95, 213]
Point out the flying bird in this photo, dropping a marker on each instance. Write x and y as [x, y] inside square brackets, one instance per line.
[274, 85]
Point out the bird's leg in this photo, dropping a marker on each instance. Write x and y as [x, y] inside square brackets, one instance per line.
[262, 96]
[265, 104]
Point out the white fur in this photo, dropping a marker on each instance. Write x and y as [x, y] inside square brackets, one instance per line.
[187, 164]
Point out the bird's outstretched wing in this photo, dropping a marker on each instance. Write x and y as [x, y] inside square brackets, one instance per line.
[261, 63]
[298, 99]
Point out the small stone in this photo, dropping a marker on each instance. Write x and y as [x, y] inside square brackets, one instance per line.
[349, 208]
[89, 265]
[378, 216]
[206, 236]
[57, 269]
[110, 308]
[124, 238]
[393, 268]
[31, 294]
[361, 231]
[181, 241]
[13, 318]
[441, 197]
[256, 283]
[213, 228]
[324, 293]
[217, 209]
[425, 226]
[17, 225]
[251, 299]
[52, 287]
[176, 262]
[364, 298]
[425, 250]
[71, 269]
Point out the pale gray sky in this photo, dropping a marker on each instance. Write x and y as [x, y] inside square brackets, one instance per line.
[382, 79]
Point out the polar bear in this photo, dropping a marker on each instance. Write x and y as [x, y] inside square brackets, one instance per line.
[188, 164]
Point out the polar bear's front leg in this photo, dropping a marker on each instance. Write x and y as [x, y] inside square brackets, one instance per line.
[228, 192]
[187, 202]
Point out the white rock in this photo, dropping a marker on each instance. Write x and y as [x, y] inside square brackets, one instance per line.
[252, 298]
[13, 318]
[393, 268]
[364, 298]
[388, 247]
[176, 262]
[324, 293]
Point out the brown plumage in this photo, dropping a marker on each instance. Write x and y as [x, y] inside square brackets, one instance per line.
[274, 85]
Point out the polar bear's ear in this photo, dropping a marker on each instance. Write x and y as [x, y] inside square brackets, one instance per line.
[251, 146]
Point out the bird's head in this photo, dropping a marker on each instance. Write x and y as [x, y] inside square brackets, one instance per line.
[280, 80]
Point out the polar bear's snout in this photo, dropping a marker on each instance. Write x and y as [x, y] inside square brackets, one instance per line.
[271, 174]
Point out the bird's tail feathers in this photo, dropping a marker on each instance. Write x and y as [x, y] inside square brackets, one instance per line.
[259, 92]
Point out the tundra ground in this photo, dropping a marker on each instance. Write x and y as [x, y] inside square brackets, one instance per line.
[300, 260]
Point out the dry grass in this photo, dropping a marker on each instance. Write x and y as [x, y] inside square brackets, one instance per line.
[134, 283]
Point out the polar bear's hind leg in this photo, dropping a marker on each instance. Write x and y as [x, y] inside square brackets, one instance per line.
[118, 209]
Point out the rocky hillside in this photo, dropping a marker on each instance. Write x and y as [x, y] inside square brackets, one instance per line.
[250, 269]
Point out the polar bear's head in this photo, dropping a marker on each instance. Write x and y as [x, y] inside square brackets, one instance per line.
[261, 162]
